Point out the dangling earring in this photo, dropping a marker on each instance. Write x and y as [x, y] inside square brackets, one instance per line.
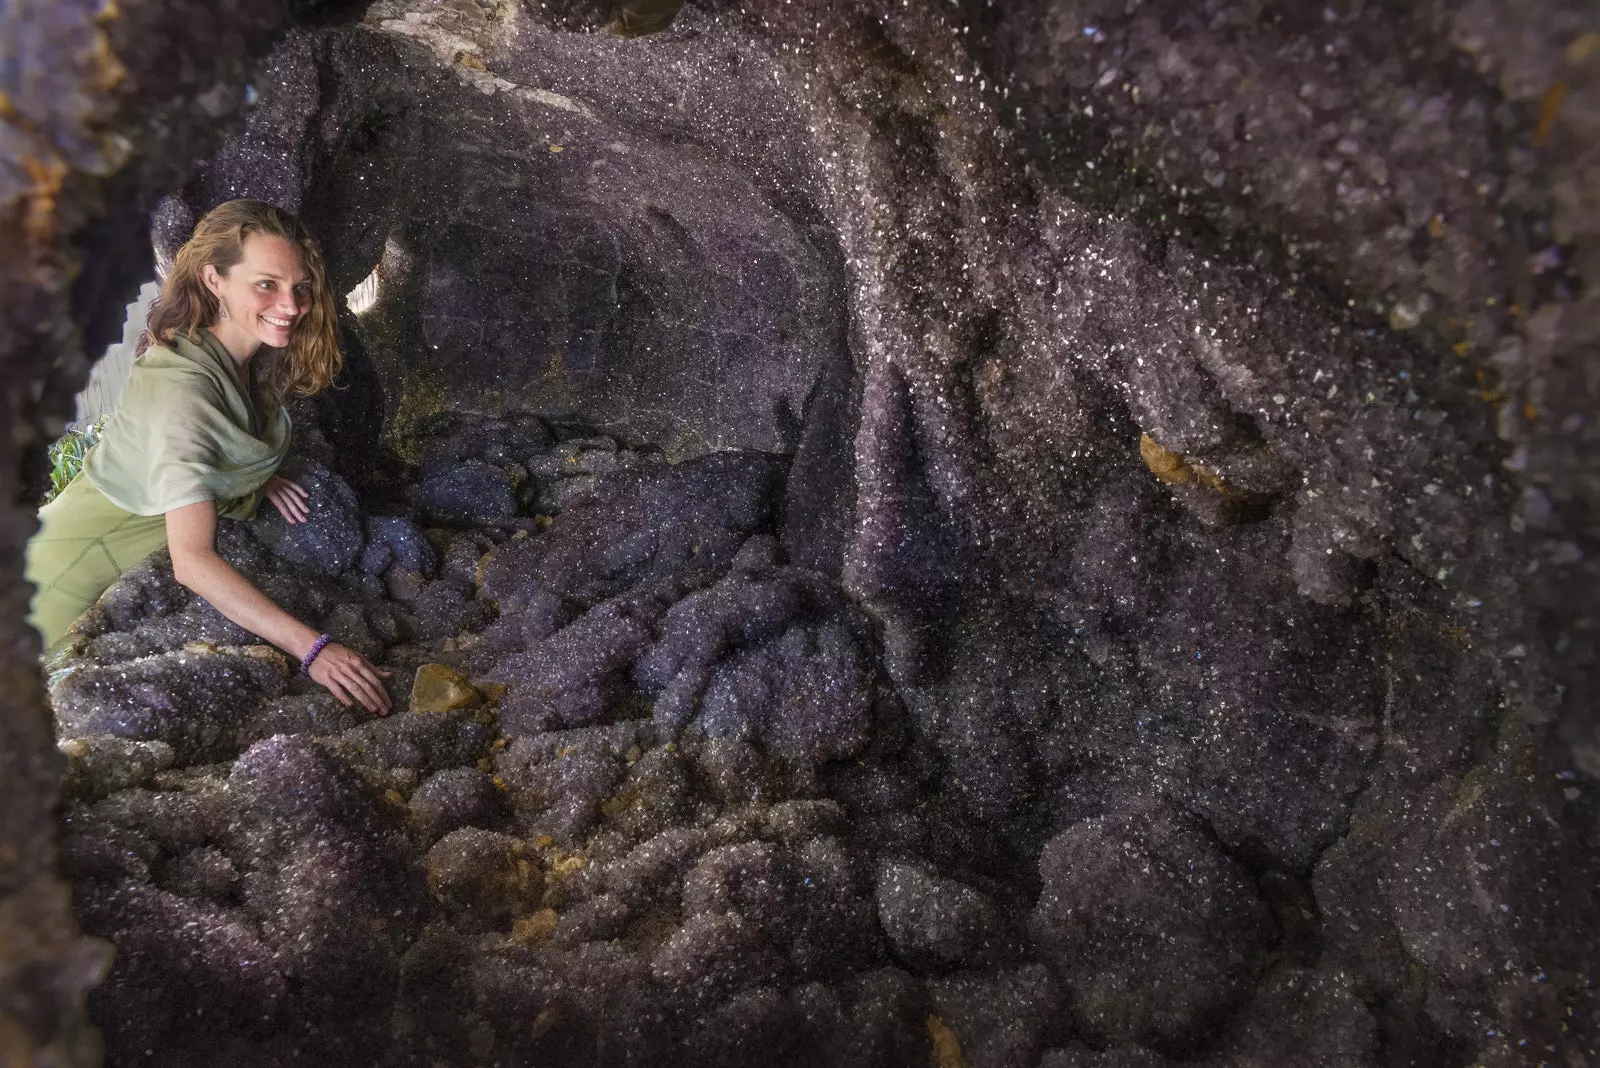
[224, 309]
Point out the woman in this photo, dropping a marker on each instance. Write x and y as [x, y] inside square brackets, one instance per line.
[199, 433]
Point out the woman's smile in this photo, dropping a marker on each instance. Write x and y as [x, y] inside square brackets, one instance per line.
[279, 329]
[263, 297]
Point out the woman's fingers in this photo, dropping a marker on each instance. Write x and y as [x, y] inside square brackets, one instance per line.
[349, 676]
[297, 499]
[361, 678]
[290, 498]
[338, 691]
[370, 693]
[331, 671]
[294, 509]
[361, 694]
[377, 685]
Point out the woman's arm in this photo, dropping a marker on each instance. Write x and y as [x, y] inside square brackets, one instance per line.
[192, 540]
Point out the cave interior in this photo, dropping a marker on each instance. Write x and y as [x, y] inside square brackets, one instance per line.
[1051, 534]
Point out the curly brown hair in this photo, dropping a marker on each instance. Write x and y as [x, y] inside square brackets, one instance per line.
[309, 362]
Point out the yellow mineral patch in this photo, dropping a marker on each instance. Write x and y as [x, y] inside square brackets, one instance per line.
[637, 18]
[1582, 48]
[1549, 108]
[108, 69]
[438, 688]
[255, 652]
[10, 115]
[946, 1047]
[620, 802]
[543, 1022]
[1165, 464]
[421, 396]
[1469, 791]
[267, 653]
[535, 929]
[39, 216]
[1214, 480]
[569, 866]
[1174, 469]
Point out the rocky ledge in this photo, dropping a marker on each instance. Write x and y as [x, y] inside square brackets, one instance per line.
[648, 796]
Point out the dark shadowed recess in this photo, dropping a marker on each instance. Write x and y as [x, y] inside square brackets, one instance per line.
[1046, 533]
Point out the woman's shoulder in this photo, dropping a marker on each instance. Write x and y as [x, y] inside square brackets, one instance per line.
[178, 356]
[164, 368]
[157, 353]
[175, 346]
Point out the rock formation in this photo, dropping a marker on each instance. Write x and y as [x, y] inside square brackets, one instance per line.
[1029, 534]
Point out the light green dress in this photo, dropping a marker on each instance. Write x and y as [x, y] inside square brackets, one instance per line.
[185, 430]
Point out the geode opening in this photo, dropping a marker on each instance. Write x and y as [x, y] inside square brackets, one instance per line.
[1060, 536]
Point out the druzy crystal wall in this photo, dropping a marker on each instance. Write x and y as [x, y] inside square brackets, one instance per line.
[1044, 534]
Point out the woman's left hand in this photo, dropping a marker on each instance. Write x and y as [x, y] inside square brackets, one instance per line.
[350, 677]
[290, 498]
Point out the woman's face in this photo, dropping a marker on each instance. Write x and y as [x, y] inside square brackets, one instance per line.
[265, 293]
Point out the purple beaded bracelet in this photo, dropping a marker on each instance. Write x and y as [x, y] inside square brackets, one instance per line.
[316, 648]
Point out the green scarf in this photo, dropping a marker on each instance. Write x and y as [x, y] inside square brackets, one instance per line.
[186, 430]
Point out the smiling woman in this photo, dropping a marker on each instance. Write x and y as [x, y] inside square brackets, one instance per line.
[199, 434]
[253, 276]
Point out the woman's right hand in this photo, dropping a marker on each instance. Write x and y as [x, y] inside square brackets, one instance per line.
[289, 498]
[349, 676]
